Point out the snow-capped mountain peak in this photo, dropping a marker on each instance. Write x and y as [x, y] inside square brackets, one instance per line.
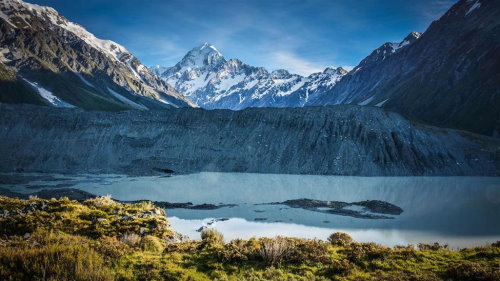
[211, 81]
[209, 48]
[202, 56]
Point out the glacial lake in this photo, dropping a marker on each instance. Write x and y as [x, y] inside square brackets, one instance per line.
[458, 211]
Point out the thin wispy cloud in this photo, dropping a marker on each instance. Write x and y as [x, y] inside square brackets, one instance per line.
[294, 64]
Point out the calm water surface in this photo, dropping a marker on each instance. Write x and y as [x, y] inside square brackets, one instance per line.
[459, 211]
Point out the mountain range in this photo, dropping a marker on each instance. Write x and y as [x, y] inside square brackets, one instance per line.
[210, 80]
[448, 75]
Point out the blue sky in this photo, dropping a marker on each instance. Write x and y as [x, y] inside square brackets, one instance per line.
[303, 36]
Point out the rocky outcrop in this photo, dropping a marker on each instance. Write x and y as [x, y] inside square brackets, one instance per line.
[97, 217]
[337, 140]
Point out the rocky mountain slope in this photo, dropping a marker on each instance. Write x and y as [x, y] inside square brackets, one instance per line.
[450, 76]
[338, 140]
[211, 81]
[46, 59]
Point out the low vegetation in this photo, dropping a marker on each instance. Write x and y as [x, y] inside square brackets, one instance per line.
[100, 239]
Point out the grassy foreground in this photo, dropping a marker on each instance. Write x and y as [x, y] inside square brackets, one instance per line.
[99, 239]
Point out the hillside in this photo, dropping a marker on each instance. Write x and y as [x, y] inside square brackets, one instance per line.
[46, 59]
[449, 75]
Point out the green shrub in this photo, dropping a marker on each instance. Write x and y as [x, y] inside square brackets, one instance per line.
[239, 250]
[340, 239]
[152, 244]
[211, 248]
[405, 252]
[140, 267]
[184, 247]
[469, 271]
[212, 236]
[339, 268]
[309, 251]
[111, 248]
[359, 253]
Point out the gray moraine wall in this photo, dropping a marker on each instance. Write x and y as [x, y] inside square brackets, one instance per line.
[334, 140]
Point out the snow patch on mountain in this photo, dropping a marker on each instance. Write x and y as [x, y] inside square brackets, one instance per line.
[129, 63]
[250, 84]
[127, 101]
[47, 95]
[84, 80]
[473, 7]
[294, 87]
[381, 103]
[227, 83]
[165, 101]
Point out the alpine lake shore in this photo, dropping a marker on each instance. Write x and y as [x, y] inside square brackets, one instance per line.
[102, 239]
